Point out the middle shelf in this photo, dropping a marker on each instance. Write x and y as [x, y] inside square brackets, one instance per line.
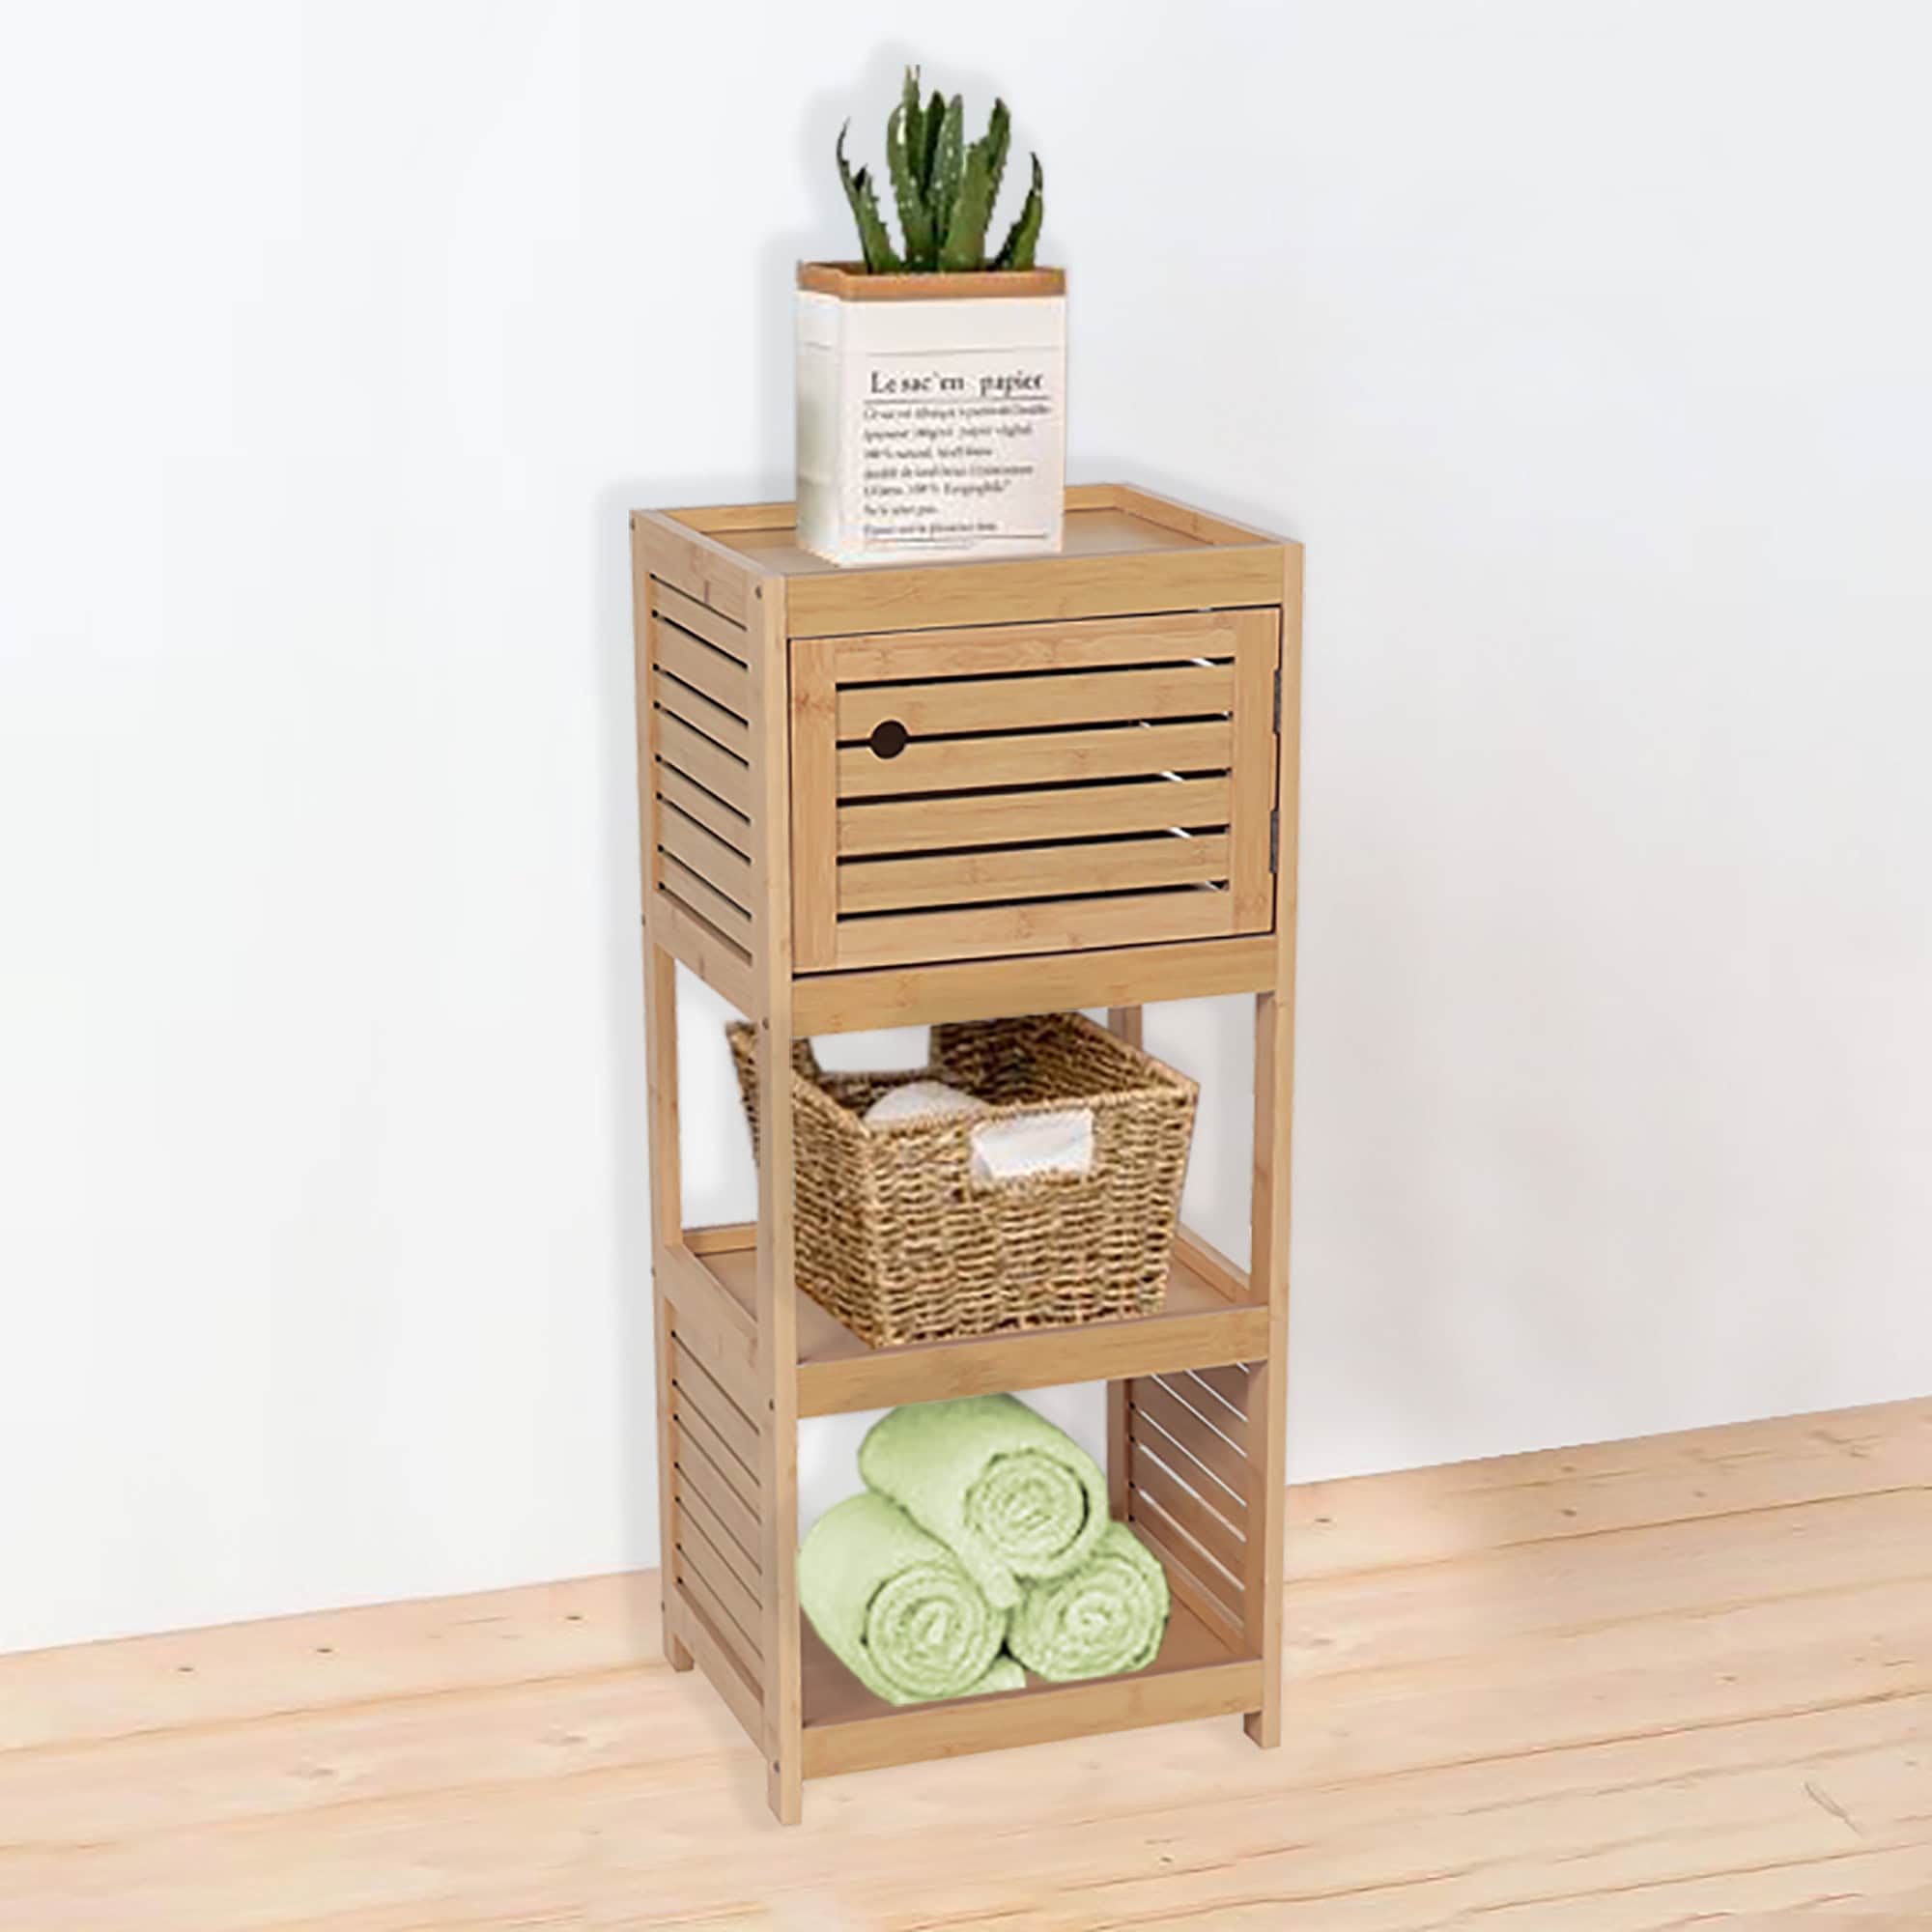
[1210, 1318]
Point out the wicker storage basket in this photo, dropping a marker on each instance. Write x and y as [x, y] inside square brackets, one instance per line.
[898, 1240]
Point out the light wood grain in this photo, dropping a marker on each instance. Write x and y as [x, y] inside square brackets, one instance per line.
[1256, 769]
[720, 1329]
[714, 1581]
[666, 1218]
[1675, 1683]
[700, 850]
[1229, 1383]
[1208, 1261]
[1169, 636]
[727, 1674]
[1086, 534]
[733, 1619]
[1104, 977]
[982, 703]
[1195, 1326]
[716, 517]
[702, 1487]
[705, 571]
[1052, 925]
[1112, 584]
[1270, 1196]
[1194, 1583]
[1205, 1526]
[725, 634]
[711, 811]
[814, 807]
[715, 1528]
[697, 1426]
[645, 590]
[1200, 525]
[1128, 1024]
[777, 1298]
[706, 761]
[1071, 811]
[954, 878]
[722, 678]
[694, 1384]
[1156, 1403]
[722, 961]
[719, 723]
[1032, 758]
[690, 888]
[1194, 1677]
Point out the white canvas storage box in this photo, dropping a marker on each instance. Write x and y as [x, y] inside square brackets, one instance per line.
[931, 413]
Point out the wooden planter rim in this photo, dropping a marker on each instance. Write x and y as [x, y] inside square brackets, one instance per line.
[849, 282]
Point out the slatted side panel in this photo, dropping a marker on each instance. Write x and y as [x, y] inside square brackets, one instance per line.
[1190, 1487]
[713, 1536]
[1037, 787]
[702, 752]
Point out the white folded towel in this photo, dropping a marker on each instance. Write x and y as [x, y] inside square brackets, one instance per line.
[1034, 1144]
[919, 1099]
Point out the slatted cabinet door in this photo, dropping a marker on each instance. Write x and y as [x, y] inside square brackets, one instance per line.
[1033, 788]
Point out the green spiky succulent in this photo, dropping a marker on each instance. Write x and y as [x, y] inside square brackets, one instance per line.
[944, 187]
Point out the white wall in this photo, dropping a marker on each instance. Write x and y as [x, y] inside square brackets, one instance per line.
[1590, 348]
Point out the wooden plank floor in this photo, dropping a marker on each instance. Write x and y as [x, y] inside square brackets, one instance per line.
[1677, 1683]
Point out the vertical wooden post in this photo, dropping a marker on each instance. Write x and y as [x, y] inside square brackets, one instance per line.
[1126, 1022]
[661, 1087]
[666, 1218]
[1267, 1258]
[778, 1313]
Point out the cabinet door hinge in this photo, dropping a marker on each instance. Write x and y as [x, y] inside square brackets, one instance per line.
[1274, 839]
[1277, 697]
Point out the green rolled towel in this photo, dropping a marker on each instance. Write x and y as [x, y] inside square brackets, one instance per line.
[895, 1609]
[1109, 1615]
[1013, 1497]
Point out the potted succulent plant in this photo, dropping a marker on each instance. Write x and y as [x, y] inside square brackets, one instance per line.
[931, 376]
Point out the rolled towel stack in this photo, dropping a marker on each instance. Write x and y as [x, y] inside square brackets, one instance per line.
[895, 1608]
[1108, 1615]
[983, 1525]
[1013, 1497]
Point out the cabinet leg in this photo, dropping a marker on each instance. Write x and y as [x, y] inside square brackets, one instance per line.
[778, 1472]
[667, 1224]
[784, 1789]
[1267, 1382]
[1126, 1022]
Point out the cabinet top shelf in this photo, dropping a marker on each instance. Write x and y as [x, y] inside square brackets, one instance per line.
[1102, 519]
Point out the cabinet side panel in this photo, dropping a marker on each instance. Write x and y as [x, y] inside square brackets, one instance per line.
[700, 737]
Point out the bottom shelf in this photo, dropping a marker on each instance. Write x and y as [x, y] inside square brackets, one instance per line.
[1199, 1673]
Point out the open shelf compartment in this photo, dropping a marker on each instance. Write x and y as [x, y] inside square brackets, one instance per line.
[1210, 1318]
[1202, 1672]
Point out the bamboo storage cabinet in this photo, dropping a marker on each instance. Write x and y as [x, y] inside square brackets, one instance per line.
[916, 793]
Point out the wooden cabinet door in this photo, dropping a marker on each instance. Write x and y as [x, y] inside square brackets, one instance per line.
[1033, 788]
